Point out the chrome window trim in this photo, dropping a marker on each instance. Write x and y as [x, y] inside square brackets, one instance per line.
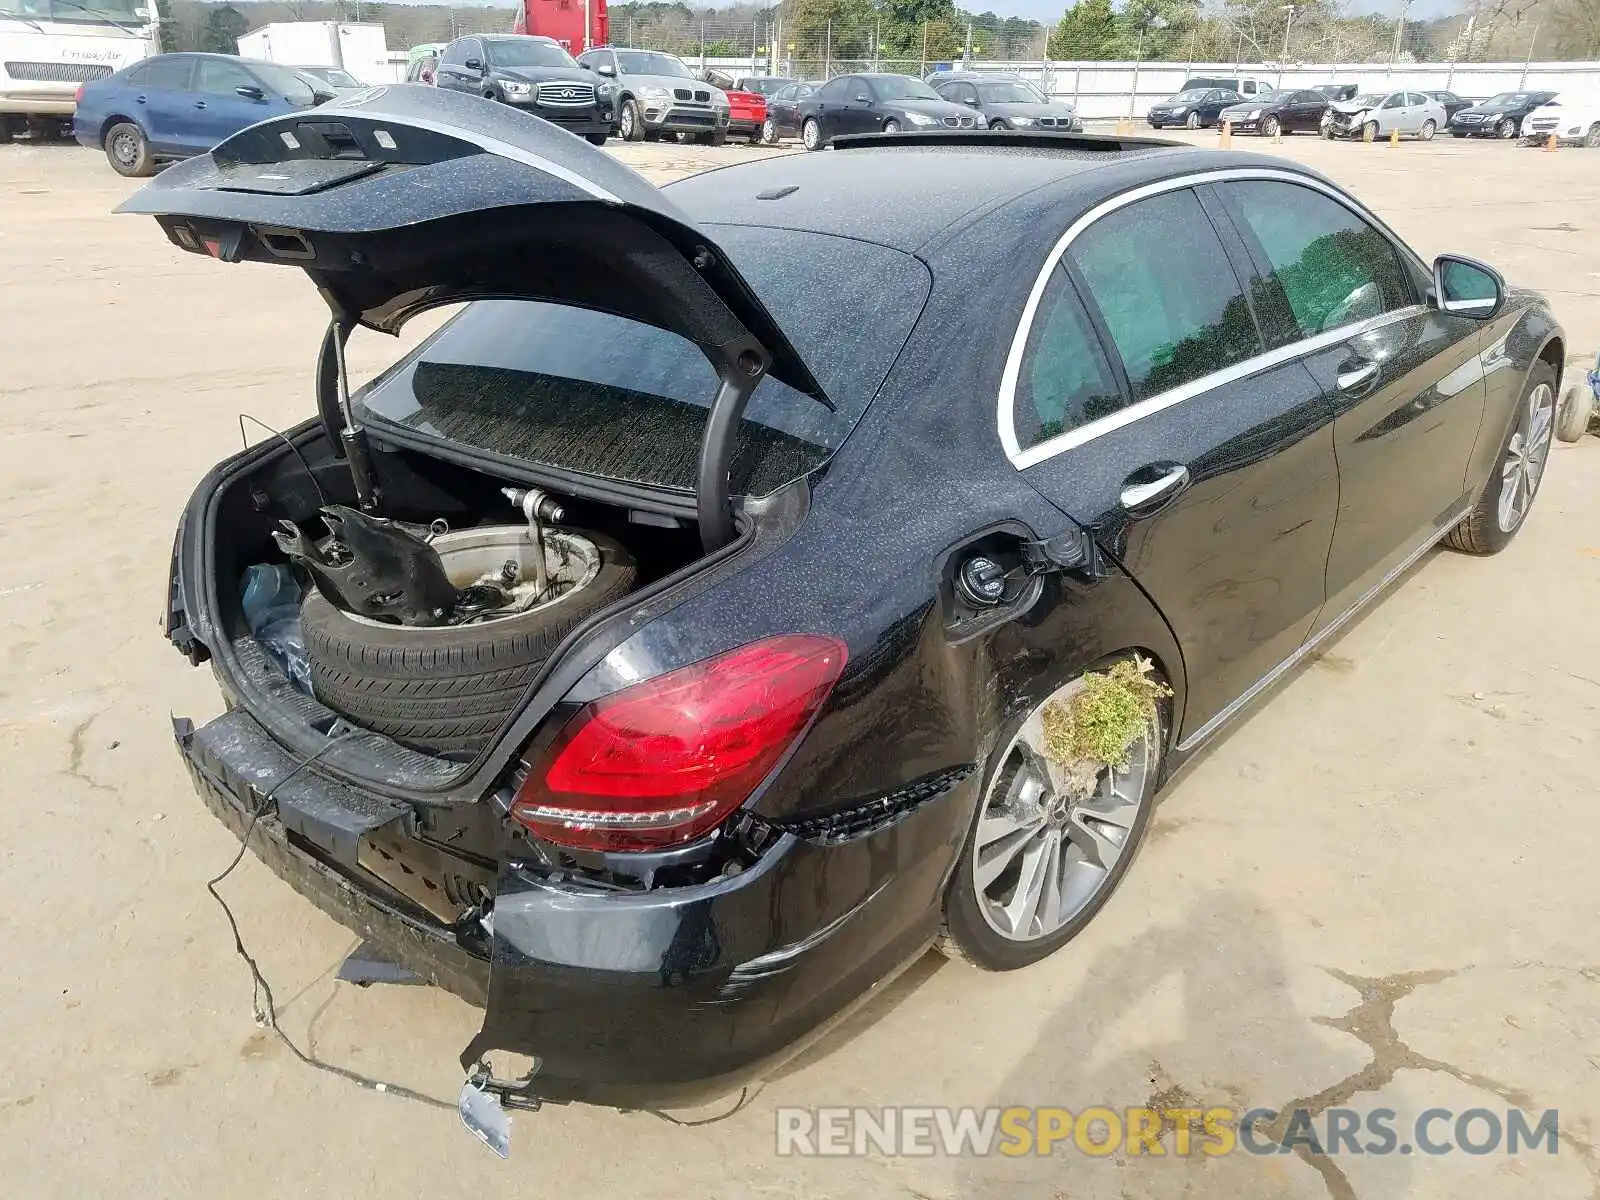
[1073, 438]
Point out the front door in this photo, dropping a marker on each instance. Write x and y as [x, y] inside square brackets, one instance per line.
[164, 102]
[1405, 381]
[1146, 407]
[218, 110]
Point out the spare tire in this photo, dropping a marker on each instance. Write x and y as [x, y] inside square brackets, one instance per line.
[447, 689]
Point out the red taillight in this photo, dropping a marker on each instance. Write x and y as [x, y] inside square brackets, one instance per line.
[77, 96]
[666, 760]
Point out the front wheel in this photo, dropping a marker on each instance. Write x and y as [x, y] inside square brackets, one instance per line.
[719, 138]
[811, 134]
[1192, 121]
[1592, 138]
[629, 124]
[891, 126]
[597, 139]
[1508, 494]
[1505, 128]
[1270, 127]
[128, 150]
[1369, 131]
[1427, 131]
[1046, 848]
[996, 126]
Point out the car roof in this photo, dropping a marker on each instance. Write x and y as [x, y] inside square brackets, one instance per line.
[933, 183]
[510, 37]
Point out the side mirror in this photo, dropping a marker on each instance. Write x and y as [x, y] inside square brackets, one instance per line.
[321, 97]
[1467, 287]
[473, 64]
[607, 69]
[250, 93]
[863, 98]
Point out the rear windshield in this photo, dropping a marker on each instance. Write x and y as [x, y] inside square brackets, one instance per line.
[585, 391]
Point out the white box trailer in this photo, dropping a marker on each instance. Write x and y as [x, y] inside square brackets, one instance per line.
[359, 49]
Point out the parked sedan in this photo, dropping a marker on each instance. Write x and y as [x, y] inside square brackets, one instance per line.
[1378, 114]
[1006, 101]
[1337, 91]
[1499, 116]
[737, 781]
[176, 105]
[1193, 109]
[877, 103]
[783, 111]
[1452, 103]
[1278, 112]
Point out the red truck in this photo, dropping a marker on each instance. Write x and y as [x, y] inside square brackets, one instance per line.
[576, 24]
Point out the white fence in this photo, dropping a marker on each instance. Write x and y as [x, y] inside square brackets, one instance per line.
[1110, 90]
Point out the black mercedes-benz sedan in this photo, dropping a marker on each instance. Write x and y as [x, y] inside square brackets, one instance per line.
[1282, 111]
[872, 103]
[764, 578]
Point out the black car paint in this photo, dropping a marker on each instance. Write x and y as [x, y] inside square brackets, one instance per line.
[784, 110]
[1295, 112]
[675, 993]
[489, 79]
[1209, 110]
[858, 110]
[1485, 120]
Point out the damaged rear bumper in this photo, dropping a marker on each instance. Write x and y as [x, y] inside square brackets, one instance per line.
[673, 996]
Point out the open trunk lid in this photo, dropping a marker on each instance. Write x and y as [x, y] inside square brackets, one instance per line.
[402, 198]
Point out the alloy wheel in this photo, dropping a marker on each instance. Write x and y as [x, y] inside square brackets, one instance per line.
[1269, 127]
[1525, 458]
[810, 134]
[1505, 128]
[769, 133]
[1046, 848]
[891, 126]
[1193, 121]
[1592, 141]
[1428, 130]
[627, 122]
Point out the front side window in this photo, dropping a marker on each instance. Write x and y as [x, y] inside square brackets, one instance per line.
[1175, 315]
[1065, 380]
[1334, 268]
[219, 77]
[1010, 93]
[291, 85]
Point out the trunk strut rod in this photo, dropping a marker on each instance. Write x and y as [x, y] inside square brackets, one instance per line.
[740, 371]
[333, 376]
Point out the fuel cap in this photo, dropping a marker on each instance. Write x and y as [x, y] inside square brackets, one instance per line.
[981, 581]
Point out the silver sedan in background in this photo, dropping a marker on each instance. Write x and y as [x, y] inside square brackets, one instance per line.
[1383, 113]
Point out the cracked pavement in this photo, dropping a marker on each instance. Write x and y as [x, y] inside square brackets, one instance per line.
[1378, 892]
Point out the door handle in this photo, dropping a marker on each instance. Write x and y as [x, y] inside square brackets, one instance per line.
[138, 99]
[1358, 377]
[1138, 497]
[199, 103]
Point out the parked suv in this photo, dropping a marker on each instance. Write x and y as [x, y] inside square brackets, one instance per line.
[658, 94]
[1228, 83]
[1572, 118]
[533, 74]
[1006, 101]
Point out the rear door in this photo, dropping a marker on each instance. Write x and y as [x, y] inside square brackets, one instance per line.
[164, 102]
[1142, 402]
[1405, 380]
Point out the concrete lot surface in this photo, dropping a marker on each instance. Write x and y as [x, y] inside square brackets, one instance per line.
[1380, 891]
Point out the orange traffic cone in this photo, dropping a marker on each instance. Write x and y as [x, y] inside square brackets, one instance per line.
[1225, 134]
[1394, 137]
[1551, 144]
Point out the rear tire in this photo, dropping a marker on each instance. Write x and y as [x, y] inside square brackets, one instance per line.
[719, 138]
[446, 690]
[1575, 411]
[1485, 530]
[1427, 131]
[769, 132]
[128, 151]
[969, 934]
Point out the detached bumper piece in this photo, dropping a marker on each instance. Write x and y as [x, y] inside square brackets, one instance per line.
[312, 836]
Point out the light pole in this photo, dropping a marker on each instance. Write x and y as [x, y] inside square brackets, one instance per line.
[1399, 29]
[1287, 26]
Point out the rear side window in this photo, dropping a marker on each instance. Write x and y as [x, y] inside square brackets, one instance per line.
[1065, 380]
[1175, 315]
[1333, 266]
[137, 75]
[590, 392]
[170, 73]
